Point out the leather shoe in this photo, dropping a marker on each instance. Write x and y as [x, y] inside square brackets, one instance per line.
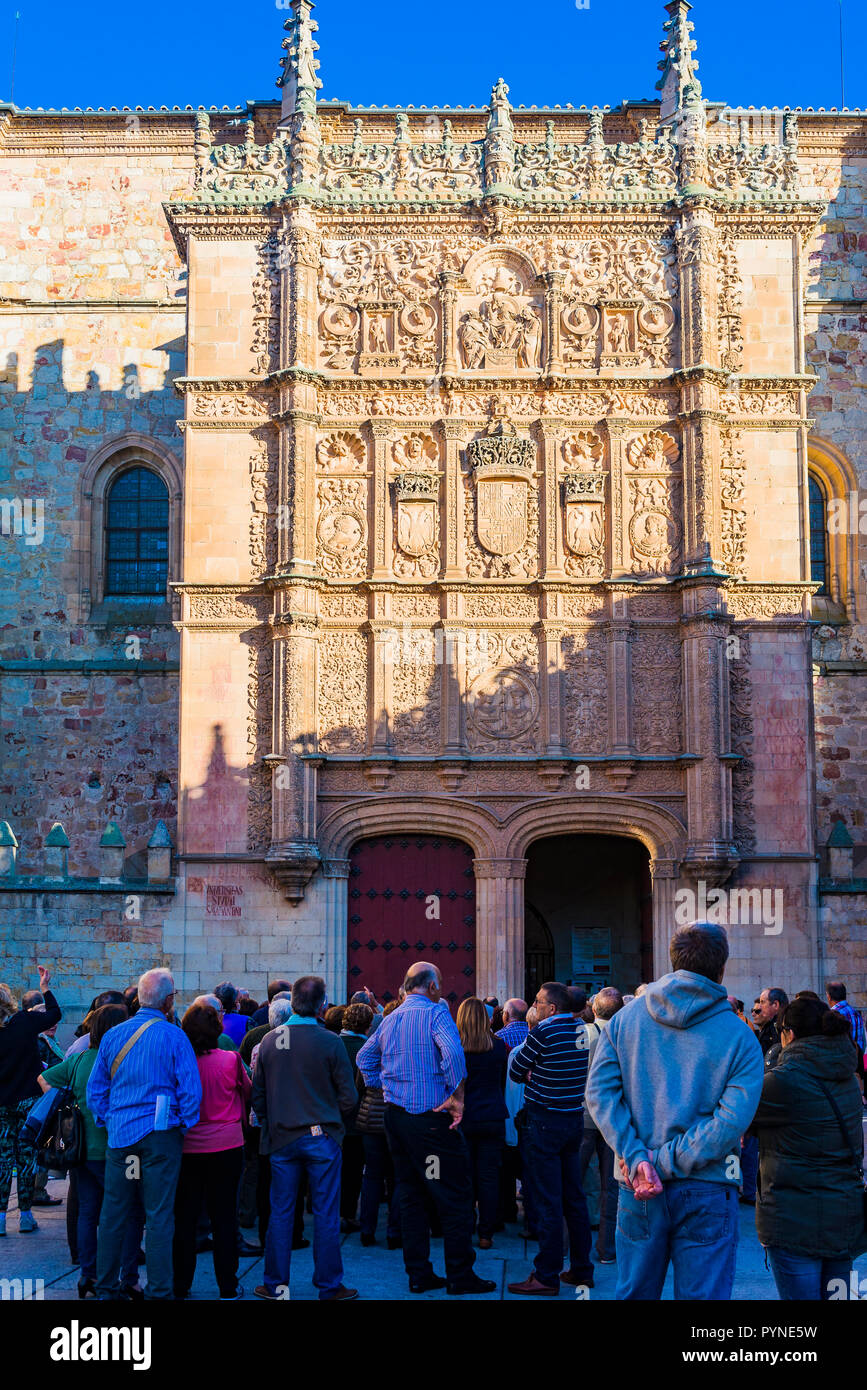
[532, 1285]
[394, 1242]
[43, 1200]
[246, 1247]
[471, 1283]
[574, 1279]
[485, 1243]
[429, 1282]
[341, 1295]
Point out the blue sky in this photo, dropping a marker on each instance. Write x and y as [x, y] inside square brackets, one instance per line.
[760, 52]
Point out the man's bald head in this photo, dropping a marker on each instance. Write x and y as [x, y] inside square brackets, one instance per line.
[515, 1011]
[424, 978]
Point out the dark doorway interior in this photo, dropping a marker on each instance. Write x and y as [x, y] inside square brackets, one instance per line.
[587, 912]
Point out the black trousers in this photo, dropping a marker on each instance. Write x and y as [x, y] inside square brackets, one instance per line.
[431, 1161]
[214, 1178]
[351, 1174]
[486, 1146]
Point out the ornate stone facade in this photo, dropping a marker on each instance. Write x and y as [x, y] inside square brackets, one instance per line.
[495, 444]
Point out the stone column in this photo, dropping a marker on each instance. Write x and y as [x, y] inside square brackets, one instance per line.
[553, 280]
[449, 281]
[500, 927]
[384, 639]
[455, 433]
[665, 883]
[335, 872]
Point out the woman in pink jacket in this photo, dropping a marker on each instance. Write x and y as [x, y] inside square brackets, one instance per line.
[213, 1158]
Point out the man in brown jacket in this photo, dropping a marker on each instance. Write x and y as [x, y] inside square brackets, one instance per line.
[303, 1087]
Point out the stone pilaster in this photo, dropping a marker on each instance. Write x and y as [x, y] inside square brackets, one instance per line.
[549, 435]
[454, 433]
[710, 854]
[621, 634]
[553, 280]
[448, 281]
[335, 872]
[383, 636]
[380, 522]
[551, 668]
[500, 927]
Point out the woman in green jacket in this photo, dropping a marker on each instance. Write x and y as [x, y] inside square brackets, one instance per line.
[810, 1208]
[73, 1072]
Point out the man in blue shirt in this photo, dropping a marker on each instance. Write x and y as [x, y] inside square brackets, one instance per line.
[145, 1090]
[416, 1057]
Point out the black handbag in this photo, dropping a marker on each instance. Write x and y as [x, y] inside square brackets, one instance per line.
[64, 1145]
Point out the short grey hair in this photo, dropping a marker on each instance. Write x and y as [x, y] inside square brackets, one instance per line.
[154, 988]
[279, 1010]
[210, 1001]
[607, 1002]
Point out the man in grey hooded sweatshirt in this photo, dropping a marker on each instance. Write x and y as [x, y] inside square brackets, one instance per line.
[675, 1082]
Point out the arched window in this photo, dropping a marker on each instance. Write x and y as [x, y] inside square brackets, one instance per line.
[137, 535]
[818, 535]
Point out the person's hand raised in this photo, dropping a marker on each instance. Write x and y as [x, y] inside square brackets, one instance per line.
[44, 977]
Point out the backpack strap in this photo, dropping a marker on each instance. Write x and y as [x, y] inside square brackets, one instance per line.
[130, 1042]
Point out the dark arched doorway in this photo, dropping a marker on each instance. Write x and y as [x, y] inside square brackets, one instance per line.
[411, 897]
[588, 912]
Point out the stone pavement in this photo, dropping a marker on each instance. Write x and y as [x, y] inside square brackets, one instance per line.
[376, 1272]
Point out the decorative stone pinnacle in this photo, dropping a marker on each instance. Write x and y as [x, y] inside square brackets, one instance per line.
[111, 837]
[299, 81]
[679, 86]
[7, 836]
[839, 837]
[57, 837]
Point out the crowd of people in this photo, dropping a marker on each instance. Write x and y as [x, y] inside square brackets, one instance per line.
[229, 1116]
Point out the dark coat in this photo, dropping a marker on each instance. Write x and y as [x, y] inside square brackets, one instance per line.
[811, 1198]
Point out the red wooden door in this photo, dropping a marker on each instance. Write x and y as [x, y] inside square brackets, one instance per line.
[412, 897]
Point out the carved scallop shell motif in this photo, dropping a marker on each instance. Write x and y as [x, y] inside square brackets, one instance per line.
[584, 450]
[341, 453]
[655, 450]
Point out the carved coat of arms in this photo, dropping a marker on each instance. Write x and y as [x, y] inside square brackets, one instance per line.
[502, 464]
[416, 498]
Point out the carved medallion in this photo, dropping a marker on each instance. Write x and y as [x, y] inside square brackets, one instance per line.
[341, 530]
[504, 703]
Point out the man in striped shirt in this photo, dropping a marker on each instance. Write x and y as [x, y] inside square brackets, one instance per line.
[553, 1064]
[416, 1057]
[514, 1029]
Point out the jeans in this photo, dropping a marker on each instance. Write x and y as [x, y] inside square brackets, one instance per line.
[805, 1278]
[158, 1164]
[319, 1157]
[692, 1224]
[378, 1178]
[431, 1162]
[91, 1191]
[212, 1178]
[486, 1159]
[553, 1153]
[749, 1165]
[594, 1143]
[17, 1151]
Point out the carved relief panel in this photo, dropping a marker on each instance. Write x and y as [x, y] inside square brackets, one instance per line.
[416, 691]
[342, 692]
[656, 691]
[377, 306]
[341, 505]
[583, 478]
[502, 692]
[415, 489]
[501, 505]
[499, 315]
[618, 305]
[585, 679]
[652, 504]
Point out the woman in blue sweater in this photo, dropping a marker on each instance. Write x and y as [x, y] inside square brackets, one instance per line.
[484, 1120]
